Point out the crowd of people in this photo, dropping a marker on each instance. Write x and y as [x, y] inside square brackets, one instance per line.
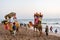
[51, 30]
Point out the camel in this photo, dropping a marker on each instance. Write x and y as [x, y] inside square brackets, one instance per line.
[9, 23]
[37, 22]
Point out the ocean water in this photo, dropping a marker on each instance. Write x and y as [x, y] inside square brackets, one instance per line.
[55, 23]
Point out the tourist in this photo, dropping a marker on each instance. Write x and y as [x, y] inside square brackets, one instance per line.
[51, 29]
[46, 30]
[14, 29]
[56, 31]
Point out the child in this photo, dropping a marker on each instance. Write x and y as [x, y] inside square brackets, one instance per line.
[14, 28]
[56, 31]
[46, 30]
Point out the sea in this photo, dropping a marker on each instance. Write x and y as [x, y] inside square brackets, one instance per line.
[54, 22]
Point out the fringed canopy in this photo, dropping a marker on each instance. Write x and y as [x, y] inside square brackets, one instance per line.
[10, 15]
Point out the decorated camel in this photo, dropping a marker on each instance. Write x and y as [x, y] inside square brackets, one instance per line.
[38, 21]
[8, 24]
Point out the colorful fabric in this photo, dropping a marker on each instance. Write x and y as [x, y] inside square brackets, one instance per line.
[36, 20]
[6, 27]
[17, 24]
[10, 26]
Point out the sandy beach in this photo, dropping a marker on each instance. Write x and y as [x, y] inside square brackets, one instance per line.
[24, 34]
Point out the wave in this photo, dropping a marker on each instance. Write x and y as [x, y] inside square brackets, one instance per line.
[50, 23]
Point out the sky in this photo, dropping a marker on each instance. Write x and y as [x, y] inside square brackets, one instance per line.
[25, 9]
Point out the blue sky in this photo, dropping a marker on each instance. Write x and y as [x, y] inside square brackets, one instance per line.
[26, 8]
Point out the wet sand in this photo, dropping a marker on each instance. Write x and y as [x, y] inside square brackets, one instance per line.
[24, 34]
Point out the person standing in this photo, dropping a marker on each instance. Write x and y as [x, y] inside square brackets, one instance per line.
[46, 30]
[51, 29]
[14, 29]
